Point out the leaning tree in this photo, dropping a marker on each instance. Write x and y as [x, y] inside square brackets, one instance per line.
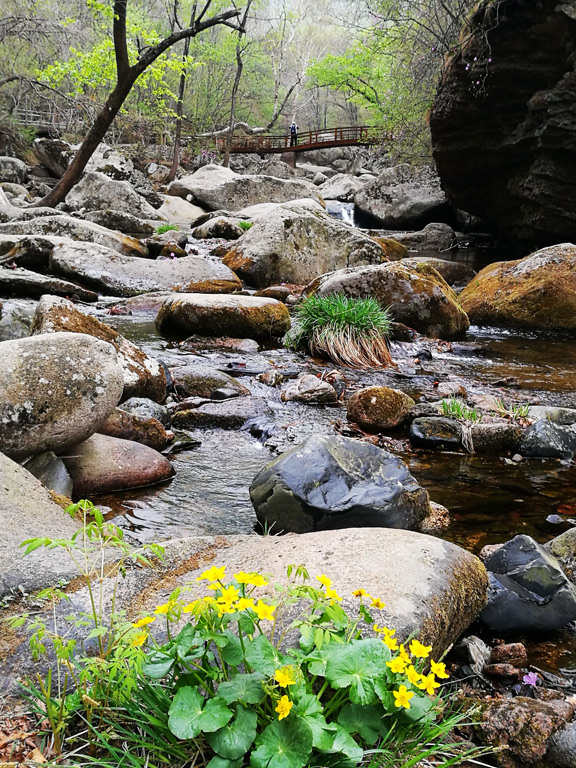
[126, 76]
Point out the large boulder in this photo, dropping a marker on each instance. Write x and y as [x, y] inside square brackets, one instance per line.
[23, 282]
[54, 154]
[331, 482]
[377, 408]
[503, 122]
[103, 464]
[249, 317]
[528, 591]
[340, 187]
[416, 295]
[27, 510]
[538, 291]
[295, 245]
[201, 380]
[215, 187]
[143, 375]
[55, 391]
[76, 229]
[454, 272]
[12, 169]
[114, 274]
[96, 191]
[403, 197]
[544, 439]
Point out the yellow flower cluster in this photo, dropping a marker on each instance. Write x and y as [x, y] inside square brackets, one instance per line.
[402, 665]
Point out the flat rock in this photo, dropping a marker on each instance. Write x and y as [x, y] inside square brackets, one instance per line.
[24, 282]
[233, 413]
[55, 391]
[147, 409]
[102, 464]
[193, 380]
[435, 432]
[434, 237]
[143, 375]
[454, 272]
[112, 273]
[178, 211]
[241, 316]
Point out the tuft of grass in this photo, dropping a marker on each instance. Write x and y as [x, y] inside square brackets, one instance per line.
[350, 332]
[245, 225]
[458, 408]
[165, 228]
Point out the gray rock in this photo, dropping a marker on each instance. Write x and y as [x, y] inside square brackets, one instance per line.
[112, 273]
[27, 510]
[435, 432]
[403, 196]
[119, 168]
[562, 416]
[227, 414]
[214, 187]
[496, 438]
[102, 464]
[296, 244]
[96, 191]
[51, 472]
[16, 319]
[12, 169]
[23, 282]
[332, 482]
[528, 590]
[241, 316]
[454, 272]
[121, 221]
[54, 391]
[434, 237]
[561, 752]
[310, 389]
[220, 226]
[563, 548]
[54, 154]
[340, 187]
[544, 439]
[193, 380]
[147, 409]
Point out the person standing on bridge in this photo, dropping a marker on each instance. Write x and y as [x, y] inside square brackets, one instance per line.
[293, 135]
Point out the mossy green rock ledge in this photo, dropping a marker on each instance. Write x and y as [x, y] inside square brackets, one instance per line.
[248, 317]
[538, 291]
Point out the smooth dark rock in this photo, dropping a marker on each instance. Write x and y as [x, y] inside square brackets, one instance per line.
[147, 409]
[544, 439]
[227, 414]
[51, 472]
[331, 482]
[435, 432]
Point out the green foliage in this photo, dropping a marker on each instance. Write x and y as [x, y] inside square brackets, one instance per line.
[165, 228]
[245, 225]
[516, 411]
[458, 408]
[351, 332]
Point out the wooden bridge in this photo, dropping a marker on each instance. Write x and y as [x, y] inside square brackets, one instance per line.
[306, 140]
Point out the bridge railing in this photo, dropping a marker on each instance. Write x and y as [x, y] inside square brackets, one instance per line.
[349, 135]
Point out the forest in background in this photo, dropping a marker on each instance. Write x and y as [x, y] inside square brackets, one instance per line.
[321, 63]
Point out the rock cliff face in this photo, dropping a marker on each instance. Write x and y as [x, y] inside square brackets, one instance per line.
[504, 120]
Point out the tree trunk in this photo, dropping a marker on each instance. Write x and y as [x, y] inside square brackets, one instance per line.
[179, 112]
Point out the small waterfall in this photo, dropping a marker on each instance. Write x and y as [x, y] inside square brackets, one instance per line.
[342, 211]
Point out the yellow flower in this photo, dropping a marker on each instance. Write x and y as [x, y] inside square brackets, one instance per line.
[253, 579]
[166, 607]
[438, 669]
[377, 603]
[404, 654]
[360, 593]
[190, 607]
[428, 684]
[264, 611]
[388, 632]
[284, 707]
[208, 599]
[324, 580]
[412, 675]
[213, 574]
[397, 665]
[242, 577]
[142, 622]
[419, 650]
[402, 697]
[139, 639]
[285, 676]
[332, 594]
[228, 595]
[224, 607]
[391, 642]
[244, 603]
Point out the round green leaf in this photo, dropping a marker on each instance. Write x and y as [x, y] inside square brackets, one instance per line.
[235, 739]
[190, 714]
[283, 744]
[365, 721]
[220, 762]
[246, 688]
[263, 656]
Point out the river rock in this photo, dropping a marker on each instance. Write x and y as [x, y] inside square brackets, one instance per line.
[434, 237]
[240, 316]
[528, 590]
[53, 154]
[220, 226]
[515, 60]
[403, 196]
[119, 168]
[454, 272]
[147, 409]
[538, 291]
[393, 249]
[29, 252]
[75, 229]
[129, 426]
[27, 510]
[544, 439]
[378, 408]
[121, 221]
[23, 282]
[435, 432]
[143, 375]
[52, 473]
[310, 389]
[214, 187]
[112, 273]
[96, 191]
[16, 318]
[561, 752]
[341, 187]
[563, 548]
[103, 464]
[295, 245]
[563, 416]
[496, 438]
[55, 391]
[179, 211]
[193, 380]
[331, 482]
[416, 296]
[233, 413]
[12, 169]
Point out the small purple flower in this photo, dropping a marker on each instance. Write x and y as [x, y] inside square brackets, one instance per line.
[531, 678]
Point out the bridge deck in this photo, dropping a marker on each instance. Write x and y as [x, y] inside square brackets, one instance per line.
[306, 140]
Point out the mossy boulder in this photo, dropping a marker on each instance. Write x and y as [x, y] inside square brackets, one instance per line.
[416, 295]
[538, 291]
[240, 316]
[378, 408]
[393, 250]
